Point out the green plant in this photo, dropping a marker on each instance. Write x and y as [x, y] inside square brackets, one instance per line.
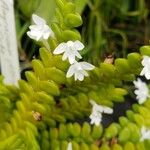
[47, 110]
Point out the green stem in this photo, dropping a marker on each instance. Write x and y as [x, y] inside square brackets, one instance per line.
[45, 43]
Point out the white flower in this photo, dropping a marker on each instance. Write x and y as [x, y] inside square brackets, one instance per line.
[146, 70]
[96, 118]
[69, 146]
[145, 134]
[39, 31]
[78, 70]
[97, 110]
[70, 50]
[142, 91]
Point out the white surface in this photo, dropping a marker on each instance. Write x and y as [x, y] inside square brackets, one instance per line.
[8, 45]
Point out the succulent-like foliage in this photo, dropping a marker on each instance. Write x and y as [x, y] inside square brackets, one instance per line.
[44, 112]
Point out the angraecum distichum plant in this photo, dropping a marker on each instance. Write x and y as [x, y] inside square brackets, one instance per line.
[62, 102]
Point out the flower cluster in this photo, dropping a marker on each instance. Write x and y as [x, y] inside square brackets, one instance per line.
[40, 31]
[142, 92]
[70, 51]
[97, 110]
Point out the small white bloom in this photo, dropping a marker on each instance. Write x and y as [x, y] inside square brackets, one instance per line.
[40, 30]
[142, 91]
[70, 50]
[96, 118]
[97, 110]
[146, 70]
[78, 69]
[69, 146]
[145, 134]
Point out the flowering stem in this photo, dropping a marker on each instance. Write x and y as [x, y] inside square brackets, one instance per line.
[45, 43]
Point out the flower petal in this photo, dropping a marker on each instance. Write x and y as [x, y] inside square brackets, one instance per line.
[146, 60]
[38, 20]
[87, 66]
[84, 73]
[107, 110]
[147, 75]
[69, 146]
[76, 53]
[95, 119]
[71, 58]
[70, 44]
[79, 76]
[78, 45]
[70, 71]
[34, 27]
[34, 35]
[60, 48]
[64, 57]
[92, 102]
[145, 134]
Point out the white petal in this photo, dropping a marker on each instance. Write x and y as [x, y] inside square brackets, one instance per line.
[38, 20]
[146, 70]
[107, 110]
[145, 134]
[60, 48]
[79, 76]
[84, 73]
[64, 57]
[70, 71]
[78, 66]
[96, 108]
[34, 27]
[69, 146]
[30, 35]
[145, 60]
[87, 66]
[33, 35]
[92, 102]
[95, 119]
[46, 36]
[71, 57]
[69, 44]
[78, 54]
[147, 75]
[78, 45]
[141, 101]
[142, 72]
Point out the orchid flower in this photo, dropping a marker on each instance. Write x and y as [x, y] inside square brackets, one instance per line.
[70, 50]
[142, 91]
[146, 70]
[78, 69]
[40, 31]
[97, 110]
[145, 134]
